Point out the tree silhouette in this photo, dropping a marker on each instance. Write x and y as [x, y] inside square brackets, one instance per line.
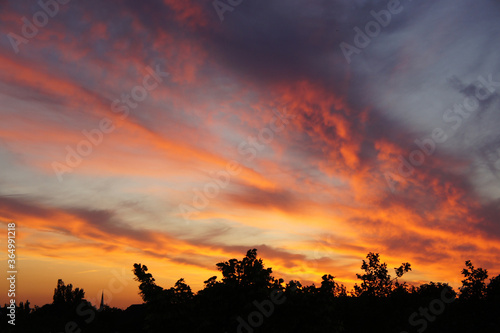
[149, 291]
[376, 280]
[210, 283]
[428, 292]
[250, 299]
[473, 286]
[329, 286]
[65, 295]
[249, 271]
[493, 289]
[180, 293]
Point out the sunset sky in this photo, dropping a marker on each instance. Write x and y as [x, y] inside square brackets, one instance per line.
[179, 134]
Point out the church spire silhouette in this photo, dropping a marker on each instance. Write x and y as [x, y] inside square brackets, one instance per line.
[102, 301]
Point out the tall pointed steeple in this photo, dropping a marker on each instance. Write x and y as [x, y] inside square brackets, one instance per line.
[102, 301]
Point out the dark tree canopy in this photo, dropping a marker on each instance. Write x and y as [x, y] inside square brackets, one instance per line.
[65, 295]
[246, 272]
[376, 280]
[473, 286]
[248, 299]
[149, 291]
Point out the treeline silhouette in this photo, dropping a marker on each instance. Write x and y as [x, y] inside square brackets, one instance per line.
[249, 299]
